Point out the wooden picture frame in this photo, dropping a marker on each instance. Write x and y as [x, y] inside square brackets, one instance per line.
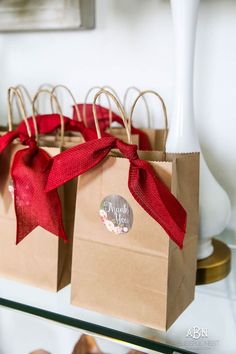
[31, 15]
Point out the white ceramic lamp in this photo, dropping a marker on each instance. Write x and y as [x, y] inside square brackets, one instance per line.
[214, 202]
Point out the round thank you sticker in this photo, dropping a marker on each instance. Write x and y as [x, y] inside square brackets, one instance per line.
[116, 214]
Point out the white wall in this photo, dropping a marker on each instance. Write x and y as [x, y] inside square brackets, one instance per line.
[133, 45]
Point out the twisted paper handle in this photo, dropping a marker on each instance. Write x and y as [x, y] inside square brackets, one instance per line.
[55, 100]
[70, 94]
[144, 101]
[84, 109]
[120, 109]
[13, 92]
[141, 94]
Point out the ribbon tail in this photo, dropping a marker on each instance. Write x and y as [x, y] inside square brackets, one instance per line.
[33, 206]
[156, 199]
[77, 160]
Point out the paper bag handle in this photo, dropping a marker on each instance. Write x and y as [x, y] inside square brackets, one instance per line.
[106, 88]
[144, 100]
[109, 88]
[54, 98]
[24, 92]
[163, 108]
[85, 102]
[113, 91]
[43, 86]
[13, 92]
[120, 109]
[71, 95]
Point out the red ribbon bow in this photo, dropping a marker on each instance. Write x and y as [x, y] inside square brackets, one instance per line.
[33, 206]
[146, 187]
[103, 116]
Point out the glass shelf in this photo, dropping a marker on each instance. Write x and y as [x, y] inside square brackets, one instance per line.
[208, 325]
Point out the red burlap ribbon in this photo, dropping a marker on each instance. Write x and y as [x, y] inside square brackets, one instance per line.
[146, 187]
[33, 206]
[104, 121]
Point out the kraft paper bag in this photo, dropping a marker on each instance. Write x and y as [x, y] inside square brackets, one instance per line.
[41, 259]
[157, 138]
[139, 273]
[120, 248]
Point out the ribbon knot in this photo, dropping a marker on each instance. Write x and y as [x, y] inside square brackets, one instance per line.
[129, 151]
[29, 141]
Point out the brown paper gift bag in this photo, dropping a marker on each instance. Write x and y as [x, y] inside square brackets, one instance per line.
[118, 132]
[140, 275]
[157, 137]
[41, 259]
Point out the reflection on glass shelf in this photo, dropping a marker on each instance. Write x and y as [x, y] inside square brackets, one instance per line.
[208, 325]
[52, 337]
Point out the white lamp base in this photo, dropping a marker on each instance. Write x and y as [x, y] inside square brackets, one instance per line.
[182, 137]
[205, 248]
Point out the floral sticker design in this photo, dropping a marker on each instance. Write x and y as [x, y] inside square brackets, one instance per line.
[116, 214]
